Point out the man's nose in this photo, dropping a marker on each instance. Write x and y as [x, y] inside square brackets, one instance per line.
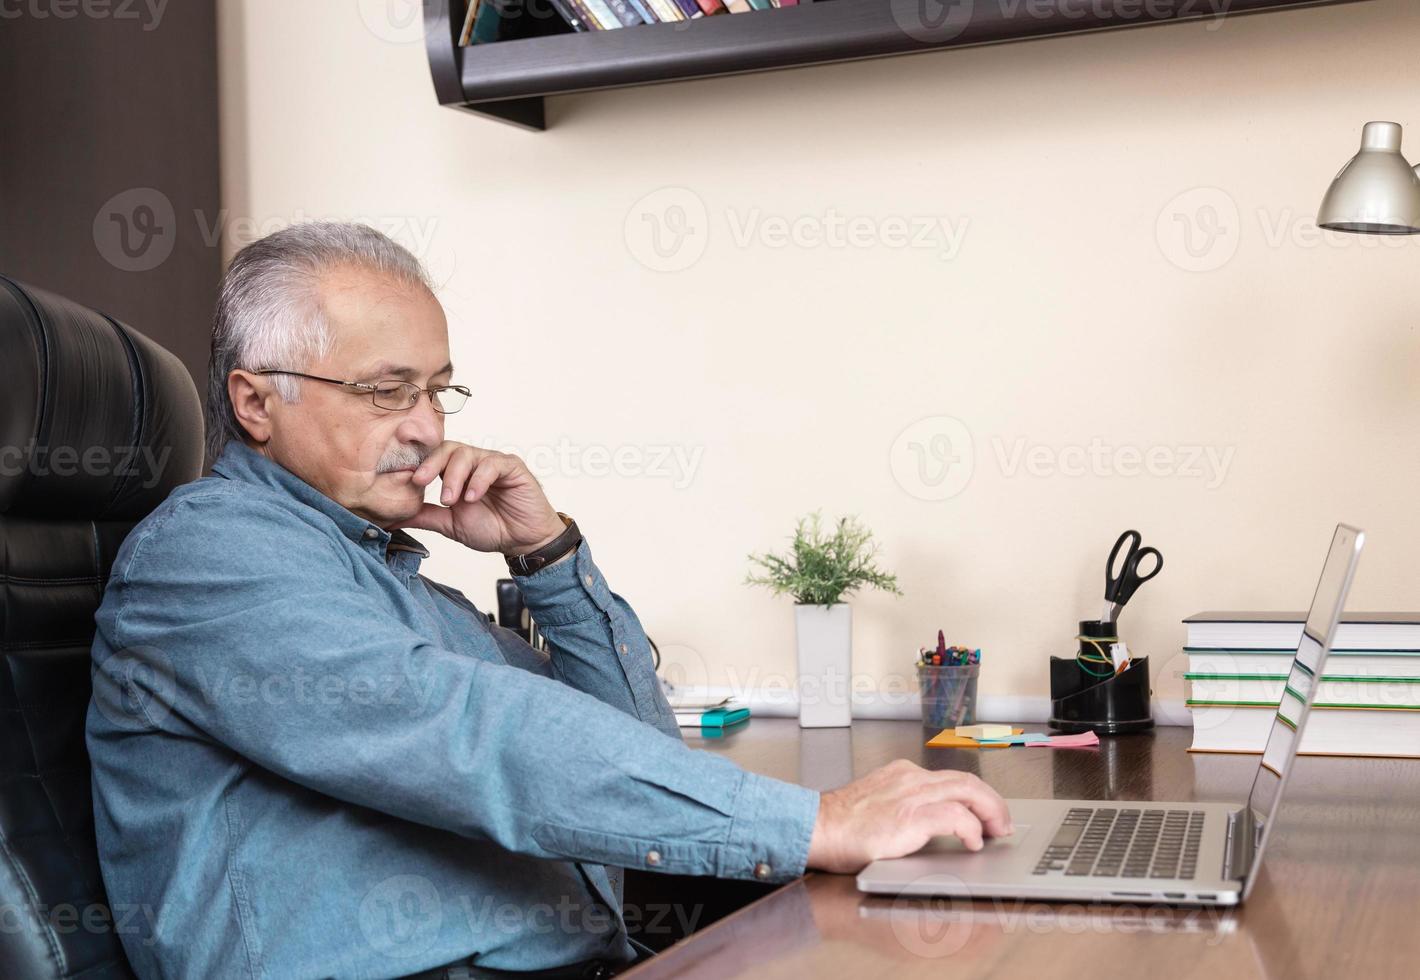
[421, 423]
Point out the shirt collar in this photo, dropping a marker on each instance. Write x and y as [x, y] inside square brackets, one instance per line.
[238, 461]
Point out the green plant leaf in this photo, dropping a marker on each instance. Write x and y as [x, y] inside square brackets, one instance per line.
[823, 566]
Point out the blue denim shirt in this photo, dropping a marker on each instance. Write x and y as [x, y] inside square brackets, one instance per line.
[309, 760]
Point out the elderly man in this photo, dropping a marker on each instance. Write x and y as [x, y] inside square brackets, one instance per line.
[311, 761]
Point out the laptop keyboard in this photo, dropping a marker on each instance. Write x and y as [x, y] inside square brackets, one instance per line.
[1108, 843]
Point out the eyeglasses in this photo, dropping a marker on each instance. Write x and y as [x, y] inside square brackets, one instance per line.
[397, 396]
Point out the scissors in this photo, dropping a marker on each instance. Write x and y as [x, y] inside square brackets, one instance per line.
[1119, 586]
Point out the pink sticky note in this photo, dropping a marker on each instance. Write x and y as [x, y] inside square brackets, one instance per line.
[1082, 741]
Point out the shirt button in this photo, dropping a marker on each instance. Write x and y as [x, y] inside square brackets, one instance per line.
[371, 534]
[623, 649]
[588, 580]
[762, 870]
[653, 858]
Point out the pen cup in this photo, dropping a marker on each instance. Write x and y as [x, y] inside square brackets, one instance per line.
[948, 695]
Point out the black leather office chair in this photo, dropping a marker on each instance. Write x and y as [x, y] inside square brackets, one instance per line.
[87, 407]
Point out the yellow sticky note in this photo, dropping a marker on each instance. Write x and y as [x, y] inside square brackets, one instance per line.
[984, 731]
[945, 739]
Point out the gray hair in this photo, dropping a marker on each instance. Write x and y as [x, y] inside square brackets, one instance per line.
[269, 313]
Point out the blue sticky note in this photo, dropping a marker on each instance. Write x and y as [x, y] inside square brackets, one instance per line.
[1025, 739]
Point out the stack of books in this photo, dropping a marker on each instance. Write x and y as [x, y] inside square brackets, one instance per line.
[1368, 701]
[486, 21]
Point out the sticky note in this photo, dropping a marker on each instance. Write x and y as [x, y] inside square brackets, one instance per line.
[1082, 741]
[1027, 738]
[984, 731]
[945, 739]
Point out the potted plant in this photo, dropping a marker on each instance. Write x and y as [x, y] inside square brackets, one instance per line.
[820, 569]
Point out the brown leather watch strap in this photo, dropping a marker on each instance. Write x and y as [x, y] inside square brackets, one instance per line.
[563, 544]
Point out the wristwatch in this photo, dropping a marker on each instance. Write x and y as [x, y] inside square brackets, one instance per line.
[563, 544]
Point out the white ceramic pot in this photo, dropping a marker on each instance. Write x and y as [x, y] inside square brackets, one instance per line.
[825, 642]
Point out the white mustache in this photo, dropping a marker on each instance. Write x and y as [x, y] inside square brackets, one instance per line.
[402, 457]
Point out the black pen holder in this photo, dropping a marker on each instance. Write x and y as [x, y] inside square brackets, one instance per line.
[1114, 704]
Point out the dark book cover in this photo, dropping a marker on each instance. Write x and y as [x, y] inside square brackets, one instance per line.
[574, 17]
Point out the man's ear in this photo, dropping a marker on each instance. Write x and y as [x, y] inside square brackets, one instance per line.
[251, 397]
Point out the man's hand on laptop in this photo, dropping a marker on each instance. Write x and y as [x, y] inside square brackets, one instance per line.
[490, 500]
[896, 809]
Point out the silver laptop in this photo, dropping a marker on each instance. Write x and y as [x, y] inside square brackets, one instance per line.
[1188, 853]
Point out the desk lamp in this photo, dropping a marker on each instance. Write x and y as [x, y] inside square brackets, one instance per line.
[1378, 192]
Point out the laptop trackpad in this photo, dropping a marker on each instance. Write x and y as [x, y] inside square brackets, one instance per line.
[953, 845]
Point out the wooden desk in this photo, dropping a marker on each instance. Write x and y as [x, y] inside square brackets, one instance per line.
[1339, 895]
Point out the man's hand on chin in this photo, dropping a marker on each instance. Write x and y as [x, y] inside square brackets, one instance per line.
[490, 501]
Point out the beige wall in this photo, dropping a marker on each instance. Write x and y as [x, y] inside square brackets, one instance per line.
[1066, 319]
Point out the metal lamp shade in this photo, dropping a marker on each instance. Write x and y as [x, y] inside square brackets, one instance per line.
[1377, 193]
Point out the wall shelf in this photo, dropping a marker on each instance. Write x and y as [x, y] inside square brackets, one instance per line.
[508, 80]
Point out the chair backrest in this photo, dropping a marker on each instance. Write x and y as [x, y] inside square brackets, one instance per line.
[97, 425]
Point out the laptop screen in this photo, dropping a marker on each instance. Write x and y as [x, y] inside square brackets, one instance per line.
[1300, 689]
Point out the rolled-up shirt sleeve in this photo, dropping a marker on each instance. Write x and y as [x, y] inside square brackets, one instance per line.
[395, 722]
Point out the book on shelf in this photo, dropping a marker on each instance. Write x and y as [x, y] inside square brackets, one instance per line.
[624, 12]
[666, 11]
[466, 34]
[577, 16]
[486, 21]
[643, 11]
[599, 15]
